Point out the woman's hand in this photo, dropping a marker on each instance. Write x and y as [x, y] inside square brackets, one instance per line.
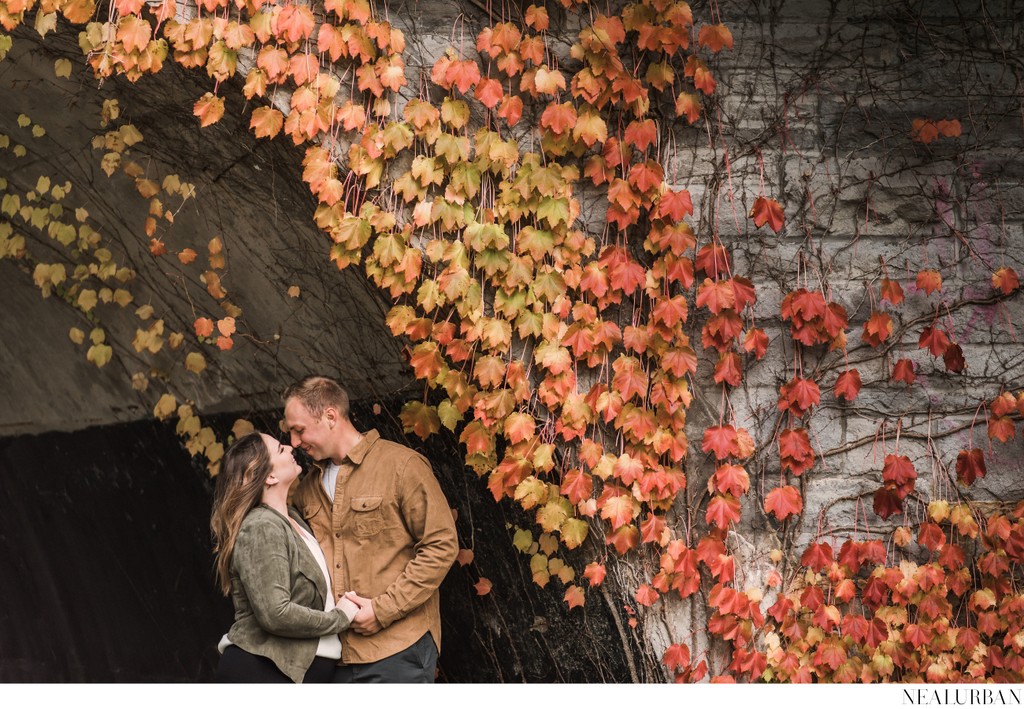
[348, 607]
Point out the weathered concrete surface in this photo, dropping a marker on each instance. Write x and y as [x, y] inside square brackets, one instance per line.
[248, 192]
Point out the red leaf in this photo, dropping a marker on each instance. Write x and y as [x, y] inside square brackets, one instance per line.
[903, 371]
[646, 596]
[887, 502]
[934, 340]
[756, 341]
[511, 109]
[768, 211]
[722, 511]
[731, 479]
[899, 471]
[483, 586]
[848, 385]
[203, 327]
[674, 205]
[489, 92]
[722, 440]
[798, 395]
[559, 118]
[641, 133]
[783, 502]
[953, 358]
[931, 536]
[676, 656]
[713, 259]
[817, 556]
[728, 369]
[970, 465]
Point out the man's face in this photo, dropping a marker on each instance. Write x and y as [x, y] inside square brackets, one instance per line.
[306, 432]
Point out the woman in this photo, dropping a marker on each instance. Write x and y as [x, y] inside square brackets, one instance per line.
[286, 622]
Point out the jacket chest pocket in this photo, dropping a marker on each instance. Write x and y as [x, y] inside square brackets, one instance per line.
[367, 516]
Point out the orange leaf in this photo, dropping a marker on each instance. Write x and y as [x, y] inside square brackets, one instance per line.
[892, 291]
[465, 556]
[203, 327]
[295, 23]
[574, 596]
[676, 657]
[877, 329]
[559, 118]
[731, 479]
[817, 556]
[511, 109]
[715, 37]
[1001, 428]
[208, 109]
[537, 17]
[689, 105]
[483, 586]
[266, 122]
[489, 92]
[641, 133]
[722, 511]
[934, 340]
[594, 573]
[1005, 280]
[618, 510]
[722, 440]
[929, 281]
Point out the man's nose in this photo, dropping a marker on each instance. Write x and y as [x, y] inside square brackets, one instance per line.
[294, 439]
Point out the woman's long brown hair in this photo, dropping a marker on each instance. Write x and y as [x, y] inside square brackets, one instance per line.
[239, 487]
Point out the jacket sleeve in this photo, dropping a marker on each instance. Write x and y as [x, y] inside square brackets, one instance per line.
[261, 560]
[429, 520]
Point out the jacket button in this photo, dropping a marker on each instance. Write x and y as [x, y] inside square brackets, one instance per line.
[337, 534]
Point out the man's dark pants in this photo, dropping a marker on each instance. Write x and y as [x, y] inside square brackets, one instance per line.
[414, 665]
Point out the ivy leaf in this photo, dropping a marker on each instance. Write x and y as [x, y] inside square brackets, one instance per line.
[929, 281]
[756, 341]
[934, 340]
[768, 211]
[594, 573]
[642, 133]
[266, 122]
[848, 385]
[887, 502]
[715, 37]
[559, 118]
[208, 109]
[134, 33]
[817, 556]
[731, 479]
[646, 596]
[722, 440]
[483, 586]
[722, 511]
[574, 596]
[677, 656]
[970, 465]
[618, 510]
[892, 291]
[489, 92]
[203, 327]
[953, 358]
[511, 109]
[1001, 428]
[783, 502]
[728, 369]
[689, 105]
[1005, 280]
[903, 371]
[420, 418]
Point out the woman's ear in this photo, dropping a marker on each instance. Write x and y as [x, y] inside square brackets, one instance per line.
[271, 480]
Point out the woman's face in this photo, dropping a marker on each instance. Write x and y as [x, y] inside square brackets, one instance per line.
[282, 463]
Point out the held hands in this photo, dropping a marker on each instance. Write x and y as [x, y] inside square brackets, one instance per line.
[348, 608]
[365, 621]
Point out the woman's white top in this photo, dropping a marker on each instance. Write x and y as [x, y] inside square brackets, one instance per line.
[329, 645]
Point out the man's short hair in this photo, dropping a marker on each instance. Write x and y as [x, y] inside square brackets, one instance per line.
[317, 394]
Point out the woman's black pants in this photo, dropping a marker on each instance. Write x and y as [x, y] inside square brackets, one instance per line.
[238, 666]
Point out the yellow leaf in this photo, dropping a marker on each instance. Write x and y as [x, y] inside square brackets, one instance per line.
[62, 68]
[110, 163]
[99, 354]
[522, 539]
[43, 185]
[97, 336]
[122, 297]
[174, 340]
[76, 335]
[19, 151]
[241, 428]
[294, 291]
[87, 300]
[140, 382]
[145, 312]
[165, 407]
[574, 532]
[195, 362]
[45, 22]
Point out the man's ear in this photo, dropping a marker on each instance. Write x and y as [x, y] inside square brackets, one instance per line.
[331, 416]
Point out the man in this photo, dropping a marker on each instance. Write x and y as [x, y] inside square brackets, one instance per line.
[386, 530]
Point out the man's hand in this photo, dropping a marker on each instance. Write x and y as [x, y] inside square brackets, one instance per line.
[365, 622]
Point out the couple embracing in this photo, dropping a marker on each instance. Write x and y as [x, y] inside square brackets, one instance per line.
[334, 577]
